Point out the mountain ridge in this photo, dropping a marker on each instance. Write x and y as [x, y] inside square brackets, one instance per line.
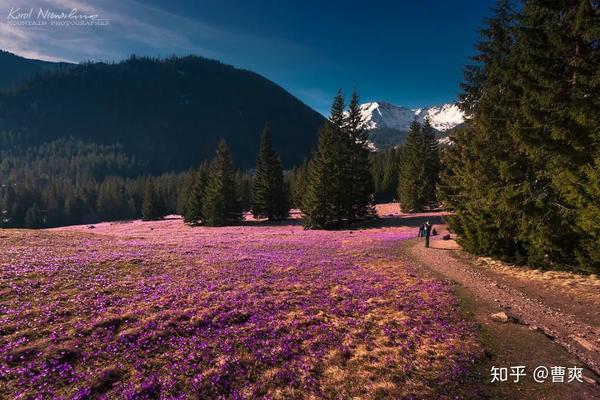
[16, 69]
[388, 124]
[170, 113]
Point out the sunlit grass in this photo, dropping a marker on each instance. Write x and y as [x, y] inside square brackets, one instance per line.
[160, 310]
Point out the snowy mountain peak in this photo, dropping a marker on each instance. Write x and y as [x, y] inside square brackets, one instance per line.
[388, 123]
[382, 114]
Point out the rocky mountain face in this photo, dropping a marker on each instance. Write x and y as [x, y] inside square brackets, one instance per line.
[388, 124]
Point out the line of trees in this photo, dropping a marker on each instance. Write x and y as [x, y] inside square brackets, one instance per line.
[523, 175]
[211, 195]
[69, 181]
[72, 182]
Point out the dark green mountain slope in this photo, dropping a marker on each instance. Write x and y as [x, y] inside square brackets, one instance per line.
[15, 69]
[168, 113]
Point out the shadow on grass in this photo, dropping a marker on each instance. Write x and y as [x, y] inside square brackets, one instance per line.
[375, 223]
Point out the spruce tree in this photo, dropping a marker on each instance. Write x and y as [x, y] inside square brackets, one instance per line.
[33, 217]
[194, 200]
[487, 171]
[361, 186]
[75, 209]
[342, 160]
[244, 182]
[412, 174]
[522, 175]
[220, 203]
[320, 202]
[557, 59]
[184, 188]
[327, 200]
[297, 179]
[432, 163]
[269, 196]
[339, 184]
[152, 206]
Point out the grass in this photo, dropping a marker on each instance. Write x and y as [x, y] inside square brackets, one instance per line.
[161, 310]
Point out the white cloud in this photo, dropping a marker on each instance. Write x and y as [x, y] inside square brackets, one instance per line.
[133, 27]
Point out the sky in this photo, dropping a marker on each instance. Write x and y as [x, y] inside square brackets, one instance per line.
[408, 53]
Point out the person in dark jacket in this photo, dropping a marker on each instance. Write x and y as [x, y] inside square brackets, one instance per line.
[427, 233]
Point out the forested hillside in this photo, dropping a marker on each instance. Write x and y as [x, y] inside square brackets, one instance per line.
[15, 69]
[170, 113]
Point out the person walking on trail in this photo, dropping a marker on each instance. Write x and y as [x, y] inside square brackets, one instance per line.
[427, 233]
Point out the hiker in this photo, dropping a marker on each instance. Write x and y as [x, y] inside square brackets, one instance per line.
[427, 233]
[421, 228]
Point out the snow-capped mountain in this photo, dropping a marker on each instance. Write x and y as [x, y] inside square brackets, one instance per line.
[389, 123]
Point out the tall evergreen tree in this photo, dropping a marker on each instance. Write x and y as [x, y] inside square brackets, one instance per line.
[557, 60]
[33, 217]
[326, 201]
[193, 197]
[320, 203]
[244, 182]
[296, 181]
[412, 174]
[75, 209]
[269, 196]
[220, 204]
[361, 186]
[339, 184]
[432, 163]
[489, 176]
[152, 206]
[519, 173]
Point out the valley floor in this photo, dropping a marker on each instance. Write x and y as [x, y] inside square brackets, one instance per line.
[146, 310]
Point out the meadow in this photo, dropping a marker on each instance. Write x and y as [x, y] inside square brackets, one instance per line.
[148, 310]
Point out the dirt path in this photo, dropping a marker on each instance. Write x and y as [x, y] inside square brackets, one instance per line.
[548, 305]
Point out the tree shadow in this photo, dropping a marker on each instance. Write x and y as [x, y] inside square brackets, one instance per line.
[412, 221]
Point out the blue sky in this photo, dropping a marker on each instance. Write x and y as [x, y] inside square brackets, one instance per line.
[407, 53]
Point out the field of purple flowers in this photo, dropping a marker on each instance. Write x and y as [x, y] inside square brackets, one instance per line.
[161, 310]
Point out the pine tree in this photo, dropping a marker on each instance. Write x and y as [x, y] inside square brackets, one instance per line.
[488, 174]
[412, 174]
[194, 197]
[220, 203]
[152, 206]
[184, 188]
[522, 175]
[244, 182]
[342, 160]
[33, 217]
[327, 200]
[432, 163]
[361, 186]
[74, 209]
[296, 181]
[557, 56]
[269, 196]
[339, 184]
[320, 203]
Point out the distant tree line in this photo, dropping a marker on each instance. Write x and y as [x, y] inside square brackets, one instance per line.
[70, 181]
[523, 175]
